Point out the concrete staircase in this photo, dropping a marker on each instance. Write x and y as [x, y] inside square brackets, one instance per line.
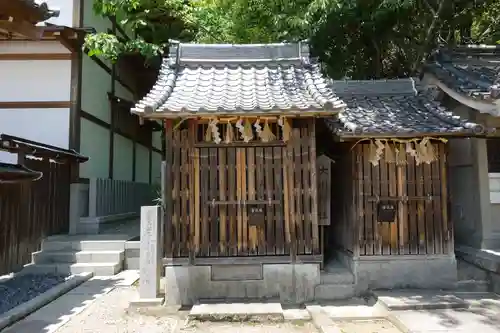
[337, 283]
[74, 256]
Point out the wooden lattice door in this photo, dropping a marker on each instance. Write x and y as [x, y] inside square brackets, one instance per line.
[240, 200]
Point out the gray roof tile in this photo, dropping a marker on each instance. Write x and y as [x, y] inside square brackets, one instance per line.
[237, 79]
[400, 111]
[472, 70]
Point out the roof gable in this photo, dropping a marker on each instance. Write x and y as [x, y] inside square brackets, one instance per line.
[396, 108]
[471, 70]
[251, 79]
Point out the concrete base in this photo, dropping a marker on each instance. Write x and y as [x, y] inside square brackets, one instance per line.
[426, 272]
[288, 283]
[146, 303]
[95, 225]
[132, 254]
[238, 312]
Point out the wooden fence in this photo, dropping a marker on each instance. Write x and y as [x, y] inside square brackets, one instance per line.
[30, 211]
[241, 199]
[419, 193]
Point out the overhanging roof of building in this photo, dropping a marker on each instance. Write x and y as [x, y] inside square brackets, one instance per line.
[394, 108]
[21, 16]
[471, 70]
[251, 79]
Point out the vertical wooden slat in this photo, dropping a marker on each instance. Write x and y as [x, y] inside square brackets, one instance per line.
[447, 224]
[253, 241]
[392, 178]
[437, 220]
[287, 194]
[196, 194]
[167, 189]
[184, 194]
[412, 206]
[244, 196]
[419, 182]
[194, 190]
[297, 190]
[429, 228]
[204, 187]
[268, 194]
[213, 196]
[239, 195]
[233, 209]
[222, 196]
[261, 194]
[278, 190]
[402, 207]
[368, 212]
[314, 188]
[384, 192]
[307, 189]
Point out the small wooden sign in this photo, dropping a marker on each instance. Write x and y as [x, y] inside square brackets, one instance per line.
[256, 215]
[386, 211]
[324, 167]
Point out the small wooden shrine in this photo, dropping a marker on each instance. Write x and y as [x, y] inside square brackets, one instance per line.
[241, 149]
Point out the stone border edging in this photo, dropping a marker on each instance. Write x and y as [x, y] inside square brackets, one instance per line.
[23, 310]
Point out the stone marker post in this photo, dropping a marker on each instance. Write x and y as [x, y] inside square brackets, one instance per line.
[151, 251]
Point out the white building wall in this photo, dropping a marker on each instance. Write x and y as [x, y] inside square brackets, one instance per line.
[142, 164]
[96, 84]
[94, 144]
[123, 159]
[35, 81]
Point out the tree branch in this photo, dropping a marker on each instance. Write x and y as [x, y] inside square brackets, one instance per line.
[422, 53]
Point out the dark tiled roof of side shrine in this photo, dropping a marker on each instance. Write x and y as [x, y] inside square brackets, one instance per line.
[394, 108]
[472, 70]
[216, 79]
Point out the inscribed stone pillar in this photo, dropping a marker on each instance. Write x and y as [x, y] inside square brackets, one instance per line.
[150, 252]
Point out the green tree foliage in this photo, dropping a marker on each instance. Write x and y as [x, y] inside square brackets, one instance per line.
[353, 38]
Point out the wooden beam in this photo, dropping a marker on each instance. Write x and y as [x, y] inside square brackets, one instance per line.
[23, 28]
[35, 105]
[35, 56]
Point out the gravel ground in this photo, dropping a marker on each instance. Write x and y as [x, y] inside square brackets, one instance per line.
[109, 314]
[287, 327]
[367, 326]
[23, 288]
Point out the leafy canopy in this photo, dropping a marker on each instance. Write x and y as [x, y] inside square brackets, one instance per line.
[353, 38]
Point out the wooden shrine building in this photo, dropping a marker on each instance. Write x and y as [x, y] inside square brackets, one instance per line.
[252, 211]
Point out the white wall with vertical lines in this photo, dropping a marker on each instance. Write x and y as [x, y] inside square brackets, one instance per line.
[94, 143]
[156, 168]
[96, 83]
[123, 158]
[141, 164]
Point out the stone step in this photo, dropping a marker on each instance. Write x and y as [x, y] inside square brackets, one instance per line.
[472, 286]
[49, 257]
[99, 269]
[333, 292]
[337, 277]
[237, 312]
[85, 245]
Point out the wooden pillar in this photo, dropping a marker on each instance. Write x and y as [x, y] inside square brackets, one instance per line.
[314, 185]
[166, 189]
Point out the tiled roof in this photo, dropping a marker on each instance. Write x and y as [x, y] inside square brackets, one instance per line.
[214, 79]
[394, 108]
[472, 70]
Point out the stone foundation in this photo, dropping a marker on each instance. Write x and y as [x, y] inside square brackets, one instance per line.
[422, 272]
[288, 283]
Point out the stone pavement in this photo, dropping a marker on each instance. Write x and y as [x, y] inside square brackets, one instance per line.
[53, 316]
[482, 316]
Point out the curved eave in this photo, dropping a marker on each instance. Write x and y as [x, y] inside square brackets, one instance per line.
[491, 107]
[238, 113]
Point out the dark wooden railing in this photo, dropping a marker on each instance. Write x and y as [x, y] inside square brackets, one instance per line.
[32, 210]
